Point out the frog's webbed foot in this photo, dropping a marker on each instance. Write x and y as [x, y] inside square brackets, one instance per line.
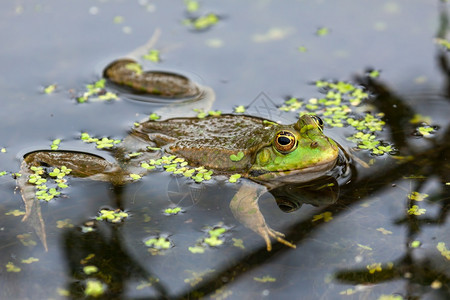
[82, 165]
[245, 209]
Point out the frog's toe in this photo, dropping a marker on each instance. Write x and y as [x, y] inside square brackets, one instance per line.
[279, 237]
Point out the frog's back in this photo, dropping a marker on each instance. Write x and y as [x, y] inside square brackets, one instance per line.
[210, 141]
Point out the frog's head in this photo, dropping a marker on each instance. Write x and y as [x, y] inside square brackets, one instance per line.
[297, 153]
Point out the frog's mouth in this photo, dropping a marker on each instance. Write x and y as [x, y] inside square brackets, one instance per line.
[292, 176]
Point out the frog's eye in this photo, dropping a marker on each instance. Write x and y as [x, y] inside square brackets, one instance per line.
[318, 121]
[285, 141]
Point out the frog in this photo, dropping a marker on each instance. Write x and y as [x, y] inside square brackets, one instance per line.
[264, 153]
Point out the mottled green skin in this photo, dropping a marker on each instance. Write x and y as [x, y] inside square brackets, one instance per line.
[209, 142]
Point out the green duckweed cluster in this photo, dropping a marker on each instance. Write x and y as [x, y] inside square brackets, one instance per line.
[178, 165]
[415, 209]
[97, 90]
[201, 114]
[113, 216]
[214, 239]
[159, 243]
[55, 144]
[43, 191]
[338, 109]
[153, 55]
[101, 143]
[202, 22]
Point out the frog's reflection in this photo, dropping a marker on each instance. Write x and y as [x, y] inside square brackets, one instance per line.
[291, 197]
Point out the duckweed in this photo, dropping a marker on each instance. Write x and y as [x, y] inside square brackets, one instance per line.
[15, 213]
[113, 216]
[94, 288]
[178, 165]
[160, 243]
[197, 249]
[152, 55]
[134, 67]
[55, 144]
[326, 217]
[425, 131]
[234, 178]
[203, 22]
[443, 42]
[239, 109]
[336, 111]
[191, 5]
[292, 104]
[10, 267]
[322, 31]
[415, 244]
[172, 210]
[3, 173]
[415, 210]
[97, 89]
[135, 176]
[265, 279]
[416, 196]
[29, 260]
[88, 270]
[443, 250]
[50, 89]
[101, 143]
[375, 267]
[43, 192]
[154, 117]
[237, 157]
[214, 237]
[239, 243]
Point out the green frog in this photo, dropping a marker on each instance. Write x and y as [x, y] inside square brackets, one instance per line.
[266, 154]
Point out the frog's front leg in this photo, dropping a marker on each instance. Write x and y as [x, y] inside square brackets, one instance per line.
[81, 164]
[245, 209]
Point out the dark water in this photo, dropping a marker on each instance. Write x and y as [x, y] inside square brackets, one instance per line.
[252, 49]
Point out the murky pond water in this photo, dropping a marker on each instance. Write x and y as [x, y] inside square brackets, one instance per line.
[376, 230]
